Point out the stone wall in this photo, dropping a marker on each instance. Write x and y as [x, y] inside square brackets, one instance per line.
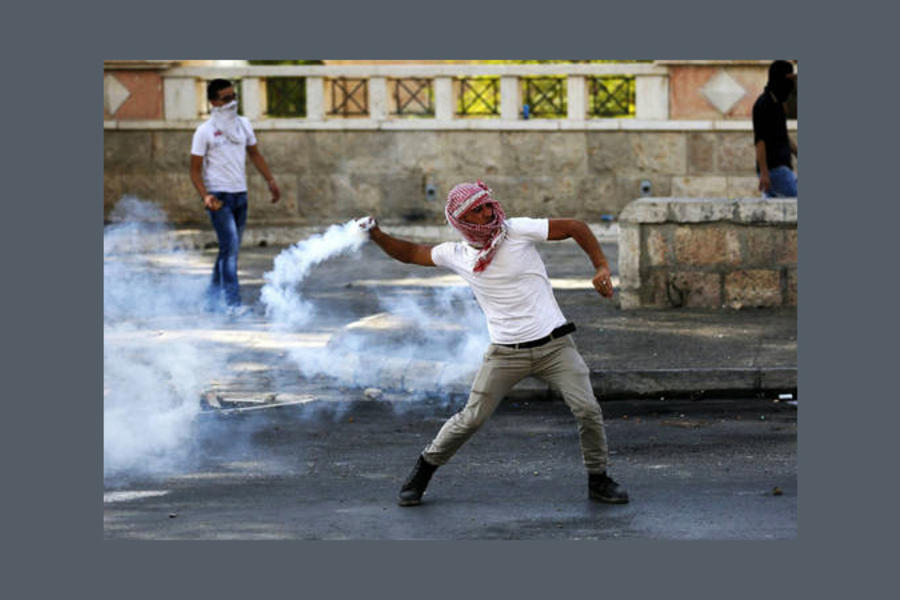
[328, 175]
[711, 253]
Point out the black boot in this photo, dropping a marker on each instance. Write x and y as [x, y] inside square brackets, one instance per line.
[602, 488]
[414, 487]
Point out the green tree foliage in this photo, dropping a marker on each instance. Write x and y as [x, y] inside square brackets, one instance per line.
[286, 96]
[548, 62]
[610, 95]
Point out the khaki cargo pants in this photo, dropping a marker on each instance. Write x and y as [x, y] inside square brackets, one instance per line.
[557, 362]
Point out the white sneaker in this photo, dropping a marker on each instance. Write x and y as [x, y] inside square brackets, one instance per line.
[235, 312]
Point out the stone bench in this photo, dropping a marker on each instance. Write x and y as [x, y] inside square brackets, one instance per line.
[708, 252]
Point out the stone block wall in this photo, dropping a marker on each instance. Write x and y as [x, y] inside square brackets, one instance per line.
[329, 175]
[689, 252]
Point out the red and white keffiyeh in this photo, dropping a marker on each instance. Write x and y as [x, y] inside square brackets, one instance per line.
[486, 238]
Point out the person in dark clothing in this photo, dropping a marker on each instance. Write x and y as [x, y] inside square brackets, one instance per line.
[770, 137]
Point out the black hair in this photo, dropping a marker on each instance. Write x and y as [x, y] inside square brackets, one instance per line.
[215, 86]
[779, 68]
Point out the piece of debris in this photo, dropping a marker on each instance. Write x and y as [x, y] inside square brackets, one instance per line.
[211, 400]
[777, 491]
[172, 515]
[372, 393]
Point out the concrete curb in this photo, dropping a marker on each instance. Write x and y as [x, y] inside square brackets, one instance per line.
[608, 385]
[693, 381]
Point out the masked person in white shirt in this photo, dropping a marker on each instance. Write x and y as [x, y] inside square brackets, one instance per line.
[219, 150]
[529, 334]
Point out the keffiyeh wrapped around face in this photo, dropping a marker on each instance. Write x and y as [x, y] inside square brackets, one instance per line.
[486, 238]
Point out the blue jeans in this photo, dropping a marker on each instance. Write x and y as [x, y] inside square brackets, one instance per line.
[229, 223]
[784, 183]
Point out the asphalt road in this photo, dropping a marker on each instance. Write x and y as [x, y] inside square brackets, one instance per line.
[331, 471]
[330, 467]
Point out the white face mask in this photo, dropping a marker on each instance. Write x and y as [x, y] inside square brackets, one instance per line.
[225, 119]
[227, 110]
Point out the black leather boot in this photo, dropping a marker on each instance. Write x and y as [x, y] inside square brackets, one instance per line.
[602, 488]
[414, 487]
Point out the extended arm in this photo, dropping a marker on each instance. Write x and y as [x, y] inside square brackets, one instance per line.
[259, 162]
[561, 229]
[408, 252]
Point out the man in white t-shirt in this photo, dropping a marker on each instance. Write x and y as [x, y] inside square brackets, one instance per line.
[529, 334]
[218, 153]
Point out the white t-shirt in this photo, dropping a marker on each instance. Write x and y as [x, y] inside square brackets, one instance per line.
[514, 291]
[223, 160]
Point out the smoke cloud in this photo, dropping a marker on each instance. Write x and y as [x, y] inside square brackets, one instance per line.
[424, 338]
[152, 383]
[427, 340]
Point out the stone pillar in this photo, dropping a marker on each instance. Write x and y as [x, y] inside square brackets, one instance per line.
[629, 265]
[510, 100]
[443, 98]
[651, 97]
[253, 97]
[577, 97]
[708, 252]
[315, 98]
[378, 98]
[180, 98]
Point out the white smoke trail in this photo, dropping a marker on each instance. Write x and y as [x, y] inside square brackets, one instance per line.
[285, 307]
